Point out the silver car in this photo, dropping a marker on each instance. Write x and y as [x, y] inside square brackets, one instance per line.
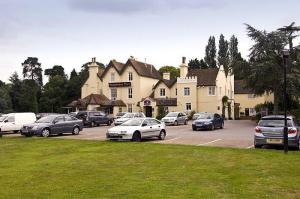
[175, 118]
[127, 117]
[269, 131]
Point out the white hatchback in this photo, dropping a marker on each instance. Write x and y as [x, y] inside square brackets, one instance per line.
[137, 129]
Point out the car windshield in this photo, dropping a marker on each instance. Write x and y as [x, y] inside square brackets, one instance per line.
[120, 114]
[128, 115]
[173, 114]
[205, 116]
[2, 118]
[133, 122]
[47, 119]
[274, 123]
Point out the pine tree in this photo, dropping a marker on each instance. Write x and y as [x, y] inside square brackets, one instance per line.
[223, 55]
[210, 53]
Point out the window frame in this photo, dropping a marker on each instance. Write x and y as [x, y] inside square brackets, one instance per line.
[186, 91]
[162, 91]
[210, 89]
[130, 93]
[130, 76]
[111, 93]
[190, 106]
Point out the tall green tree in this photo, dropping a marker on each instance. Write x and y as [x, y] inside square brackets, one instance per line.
[73, 87]
[223, 54]
[29, 95]
[265, 70]
[174, 72]
[5, 100]
[210, 53]
[55, 70]
[236, 63]
[15, 92]
[32, 70]
[194, 64]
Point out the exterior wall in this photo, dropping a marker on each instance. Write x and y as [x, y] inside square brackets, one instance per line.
[190, 82]
[207, 103]
[92, 84]
[246, 102]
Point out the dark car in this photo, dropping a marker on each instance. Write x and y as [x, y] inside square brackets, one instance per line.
[94, 118]
[269, 131]
[208, 121]
[53, 124]
[40, 115]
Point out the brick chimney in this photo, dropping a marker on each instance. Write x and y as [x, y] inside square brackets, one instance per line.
[183, 68]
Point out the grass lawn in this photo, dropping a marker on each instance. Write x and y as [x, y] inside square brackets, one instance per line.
[57, 168]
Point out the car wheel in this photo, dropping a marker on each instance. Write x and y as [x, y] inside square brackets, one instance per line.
[75, 131]
[136, 137]
[108, 123]
[162, 135]
[212, 127]
[45, 132]
[222, 125]
[93, 124]
[176, 123]
[257, 146]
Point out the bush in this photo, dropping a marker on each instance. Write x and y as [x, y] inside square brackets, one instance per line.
[190, 117]
[160, 113]
[296, 113]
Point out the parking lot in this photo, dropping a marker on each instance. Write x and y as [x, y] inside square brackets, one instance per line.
[237, 134]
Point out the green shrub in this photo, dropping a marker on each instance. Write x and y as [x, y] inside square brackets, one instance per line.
[190, 117]
[160, 113]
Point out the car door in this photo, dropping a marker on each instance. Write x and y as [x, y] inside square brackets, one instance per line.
[180, 118]
[146, 128]
[217, 120]
[68, 124]
[9, 123]
[58, 125]
[156, 125]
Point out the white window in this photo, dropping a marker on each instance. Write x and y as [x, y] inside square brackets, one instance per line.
[129, 106]
[113, 93]
[188, 106]
[130, 76]
[186, 91]
[250, 96]
[211, 90]
[162, 92]
[112, 77]
[129, 93]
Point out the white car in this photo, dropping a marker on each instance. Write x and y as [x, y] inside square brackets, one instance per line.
[175, 118]
[15, 121]
[127, 117]
[136, 129]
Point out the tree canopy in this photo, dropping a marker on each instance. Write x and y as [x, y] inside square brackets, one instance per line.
[174, 72]
[210, 53]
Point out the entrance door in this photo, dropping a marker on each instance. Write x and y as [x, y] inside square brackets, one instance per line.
[148, 110]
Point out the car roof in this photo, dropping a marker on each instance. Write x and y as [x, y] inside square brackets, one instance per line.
[276, 116]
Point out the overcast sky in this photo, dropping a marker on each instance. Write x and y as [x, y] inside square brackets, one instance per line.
[71, 32]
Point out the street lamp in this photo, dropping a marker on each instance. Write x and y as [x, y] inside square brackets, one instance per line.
[285, 56]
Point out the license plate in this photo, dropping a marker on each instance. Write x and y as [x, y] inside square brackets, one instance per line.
[274, 141]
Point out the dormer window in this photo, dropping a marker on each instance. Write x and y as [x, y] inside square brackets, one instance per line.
[162, 92]
[130, 76]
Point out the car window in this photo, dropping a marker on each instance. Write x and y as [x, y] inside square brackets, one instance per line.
[68, 118]
[10, 119]
[155, 122]
[59, 119]
[147, 122]
[217, 116]
[274, 122]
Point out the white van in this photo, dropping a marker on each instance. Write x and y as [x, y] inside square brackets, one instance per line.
[15, 121]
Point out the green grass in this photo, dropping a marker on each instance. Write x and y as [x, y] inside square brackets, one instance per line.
[55, 168]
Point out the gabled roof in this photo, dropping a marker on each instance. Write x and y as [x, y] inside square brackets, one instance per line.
[96, 99]
[240, 87]
[168, 83]
[205, 77]
[143, 69]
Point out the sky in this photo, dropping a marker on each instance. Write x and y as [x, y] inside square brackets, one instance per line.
[71, 32]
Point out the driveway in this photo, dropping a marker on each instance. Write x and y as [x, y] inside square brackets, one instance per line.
[236, 134]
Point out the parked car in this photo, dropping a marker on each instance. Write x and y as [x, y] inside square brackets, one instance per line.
[196, 115]
[208, 121]
[120, 114]
[175, 118]
[94, 118]
[269, 131]
[53, 124]
[73, 114]
[40, 115]
[127, 117]
[15, 121]
[137, 129]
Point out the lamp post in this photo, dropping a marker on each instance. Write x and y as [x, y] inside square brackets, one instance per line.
[285, 56]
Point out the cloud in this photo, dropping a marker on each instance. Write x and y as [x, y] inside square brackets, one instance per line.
[137, 6]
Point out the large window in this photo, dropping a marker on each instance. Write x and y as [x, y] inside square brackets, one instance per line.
[129, 93]
[211, 90]
[129, 106]
[113, 93]
[188, 106]
[130, 77]
[186, 91]
[112, 77]
[162, 92]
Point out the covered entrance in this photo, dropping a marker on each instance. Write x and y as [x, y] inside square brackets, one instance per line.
[147, 107]
[148, 111]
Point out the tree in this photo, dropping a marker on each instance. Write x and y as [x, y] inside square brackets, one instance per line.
[28, 95]
[55, 70]
[15, 92]
[32, 70]
[223, 55]
[194, 64]
[210, 53]
[265, 65]
[203, 65]
[5, 100]
[84, 73]
[73, 87]
[174, 72]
